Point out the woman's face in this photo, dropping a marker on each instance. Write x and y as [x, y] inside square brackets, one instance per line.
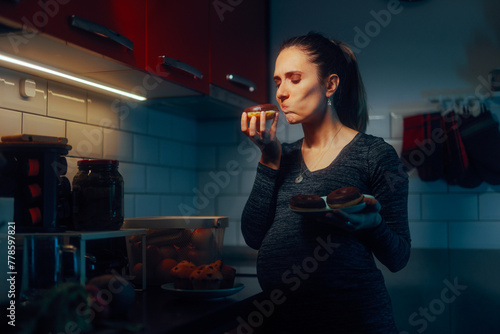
[300, 94]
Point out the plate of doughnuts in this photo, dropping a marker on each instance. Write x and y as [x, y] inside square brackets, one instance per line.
[347, 199]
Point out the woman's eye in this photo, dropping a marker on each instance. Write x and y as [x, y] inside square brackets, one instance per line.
[295, 78]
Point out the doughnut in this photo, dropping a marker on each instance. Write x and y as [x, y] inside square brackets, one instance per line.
[306, 202]
[344, 197]
[269, 109]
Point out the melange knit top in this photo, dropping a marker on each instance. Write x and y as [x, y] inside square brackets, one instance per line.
[327, 278]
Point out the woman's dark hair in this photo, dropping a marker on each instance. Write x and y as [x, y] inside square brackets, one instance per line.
[334, 57]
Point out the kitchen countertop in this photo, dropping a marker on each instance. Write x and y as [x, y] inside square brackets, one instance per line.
[161, 312]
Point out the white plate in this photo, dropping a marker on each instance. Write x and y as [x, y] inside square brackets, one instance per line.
[349, 209]
[202, 294]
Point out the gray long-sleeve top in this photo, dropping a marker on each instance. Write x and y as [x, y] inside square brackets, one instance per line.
[329, 276]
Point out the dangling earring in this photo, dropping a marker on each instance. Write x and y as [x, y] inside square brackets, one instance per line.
[329, 101]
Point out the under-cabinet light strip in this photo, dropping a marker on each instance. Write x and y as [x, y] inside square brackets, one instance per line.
[44, 69]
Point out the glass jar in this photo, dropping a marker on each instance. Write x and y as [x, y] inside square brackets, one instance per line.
[97, 196]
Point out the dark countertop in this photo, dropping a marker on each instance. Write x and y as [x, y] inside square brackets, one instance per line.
[161, 312]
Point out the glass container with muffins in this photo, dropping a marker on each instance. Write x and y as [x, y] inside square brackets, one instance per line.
[175, 244]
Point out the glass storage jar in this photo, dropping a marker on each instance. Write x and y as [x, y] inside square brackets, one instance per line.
[97, 196]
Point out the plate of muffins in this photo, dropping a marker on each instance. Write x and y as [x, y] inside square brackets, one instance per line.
[209, 281]
[347, 199]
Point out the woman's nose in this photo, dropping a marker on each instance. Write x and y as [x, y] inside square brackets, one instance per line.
[281, 93]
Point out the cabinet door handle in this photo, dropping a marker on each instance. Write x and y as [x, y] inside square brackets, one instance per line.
[100, 30]
[241, 81]
[182, 66]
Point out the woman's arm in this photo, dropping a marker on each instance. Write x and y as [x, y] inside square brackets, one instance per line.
[390, 240]
[260, 208]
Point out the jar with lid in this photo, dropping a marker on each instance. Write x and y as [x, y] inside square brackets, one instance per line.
[97, 196]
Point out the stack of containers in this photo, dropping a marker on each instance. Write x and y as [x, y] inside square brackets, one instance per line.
[34, 169]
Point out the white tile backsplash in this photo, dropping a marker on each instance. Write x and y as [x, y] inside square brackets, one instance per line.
[219, 132]
[147, 205]
[101, 111]
[379, 125]
[129, 206]
[489, 206]
[189, 156]
[183, 181]
[132, 119]
[39, 125]
[158, 180]
[11, 122]
[429, 234]
[169, 205]
[86, 140]
[244, 155]
[10, 97]
[134, 177]
[160, 124]
[67, 102]
[221, 181]
[118, 145]
[414, 207]
[171, 153]
[146, 149]
[185, 128]
[449, 207]
[207, 157]
[474, 235]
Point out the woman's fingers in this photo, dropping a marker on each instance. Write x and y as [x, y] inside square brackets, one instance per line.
[252, 127]
[244, 123]
[274, 126]
[255, 128]
[262, 125]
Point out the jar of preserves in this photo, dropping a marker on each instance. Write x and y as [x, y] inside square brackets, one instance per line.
[97, 196]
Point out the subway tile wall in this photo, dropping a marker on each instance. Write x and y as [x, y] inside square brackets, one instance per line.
[157, 151]
[175, 165]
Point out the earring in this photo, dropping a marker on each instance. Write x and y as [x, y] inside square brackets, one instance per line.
[329, 101]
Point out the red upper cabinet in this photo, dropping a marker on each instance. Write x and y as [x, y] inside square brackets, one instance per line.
[239, 47]
[30, 13]
[113, 28]
[178, 41]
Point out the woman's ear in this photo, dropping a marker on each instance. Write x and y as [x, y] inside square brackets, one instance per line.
[331, 84]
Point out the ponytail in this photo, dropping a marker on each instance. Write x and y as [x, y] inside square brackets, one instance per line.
[334, 57]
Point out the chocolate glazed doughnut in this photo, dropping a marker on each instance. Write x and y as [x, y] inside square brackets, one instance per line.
[269, 109]
[306, 202]
[344, 197]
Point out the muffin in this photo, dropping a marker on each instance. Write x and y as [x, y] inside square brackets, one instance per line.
[206, 277]
[180, 275]
[228, 274]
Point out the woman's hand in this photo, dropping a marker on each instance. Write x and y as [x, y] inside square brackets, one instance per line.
[265, 139]
[369, 217]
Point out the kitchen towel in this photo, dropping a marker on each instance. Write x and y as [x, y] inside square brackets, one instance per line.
[423, 140]
[458, 169]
